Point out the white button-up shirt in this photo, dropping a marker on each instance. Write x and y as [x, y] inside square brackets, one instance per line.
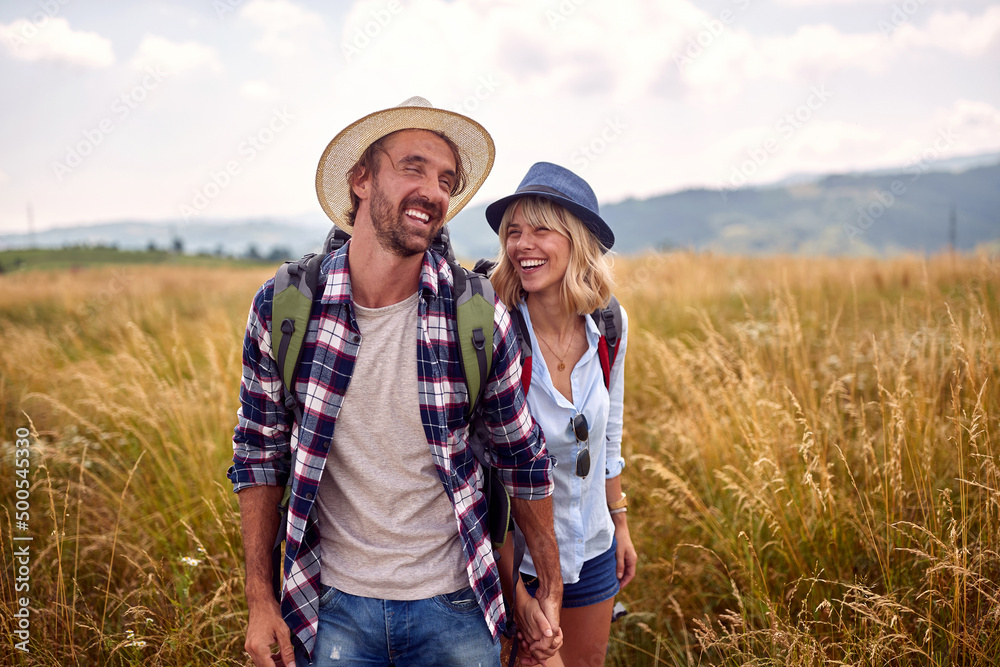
[583, 524]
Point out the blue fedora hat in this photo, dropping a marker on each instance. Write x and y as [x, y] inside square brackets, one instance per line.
[562, 186]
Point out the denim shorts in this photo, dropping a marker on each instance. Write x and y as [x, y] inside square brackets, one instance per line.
[598, 581]
[444, 630]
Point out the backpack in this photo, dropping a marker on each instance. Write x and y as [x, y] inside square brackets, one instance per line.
[295, 285]
[609, 324]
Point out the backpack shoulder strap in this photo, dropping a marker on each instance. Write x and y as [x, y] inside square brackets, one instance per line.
[475, 302]
[609, 324]
[295, 286]
[524, 340]
[294, 291]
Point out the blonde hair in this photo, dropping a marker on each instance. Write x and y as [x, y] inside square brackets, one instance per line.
[588, 282]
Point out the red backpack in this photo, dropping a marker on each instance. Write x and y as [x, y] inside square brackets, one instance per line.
[609, 323]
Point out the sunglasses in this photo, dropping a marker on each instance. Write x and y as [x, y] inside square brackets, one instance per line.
[579, 426]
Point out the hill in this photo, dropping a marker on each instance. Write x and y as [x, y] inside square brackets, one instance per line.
[863, 214]
[878, 213]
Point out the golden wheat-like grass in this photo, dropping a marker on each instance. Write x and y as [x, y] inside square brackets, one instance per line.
[812, 448]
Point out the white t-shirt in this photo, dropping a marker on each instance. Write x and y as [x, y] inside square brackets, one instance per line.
[387, 527]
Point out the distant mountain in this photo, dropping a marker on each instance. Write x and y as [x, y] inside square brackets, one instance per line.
[954, 165]
[296, 235]
[884, 212]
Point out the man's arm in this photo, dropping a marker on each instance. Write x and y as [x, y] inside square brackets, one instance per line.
[259, 472]
[259, 519]
[525, 467]
[534, 518]
[532, 626]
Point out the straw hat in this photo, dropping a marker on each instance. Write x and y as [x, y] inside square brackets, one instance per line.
[474, 144]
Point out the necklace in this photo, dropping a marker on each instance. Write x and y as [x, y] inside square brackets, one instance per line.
[562, 365]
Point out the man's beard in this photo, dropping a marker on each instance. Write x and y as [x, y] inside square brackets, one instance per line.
[393, 233]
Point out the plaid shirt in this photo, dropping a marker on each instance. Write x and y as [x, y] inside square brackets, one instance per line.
[267, 445]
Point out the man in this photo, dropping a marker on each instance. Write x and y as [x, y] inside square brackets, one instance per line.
[387, 559]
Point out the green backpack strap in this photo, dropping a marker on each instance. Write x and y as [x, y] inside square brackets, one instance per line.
[474, 307]
[475, 302]
[295, 286]
[294, 291]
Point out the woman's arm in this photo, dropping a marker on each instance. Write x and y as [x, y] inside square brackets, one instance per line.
[625, 553]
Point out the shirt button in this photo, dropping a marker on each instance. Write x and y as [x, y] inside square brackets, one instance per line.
[326, 444]
[355, 338]
[309, 496]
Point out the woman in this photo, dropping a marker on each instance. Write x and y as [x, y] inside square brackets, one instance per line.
[553, 270]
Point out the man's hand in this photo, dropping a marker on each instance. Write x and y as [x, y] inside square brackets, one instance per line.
[534, 517]
[259, 520]
[267, 628]
[539, 639]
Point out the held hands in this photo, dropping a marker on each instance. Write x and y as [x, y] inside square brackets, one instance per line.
[267, 628]
[539, 634]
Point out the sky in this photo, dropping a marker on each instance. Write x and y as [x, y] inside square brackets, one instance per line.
[203, 110]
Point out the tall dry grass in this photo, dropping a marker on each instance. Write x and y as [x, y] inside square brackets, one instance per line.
[811, 446]
[127, 377]
[814, 452]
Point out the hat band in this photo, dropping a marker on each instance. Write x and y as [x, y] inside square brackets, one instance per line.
[542, 188]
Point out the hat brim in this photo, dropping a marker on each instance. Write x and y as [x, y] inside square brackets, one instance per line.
[474, 144]
[593, 222]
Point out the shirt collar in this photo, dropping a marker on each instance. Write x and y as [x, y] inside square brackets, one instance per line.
[433, 272]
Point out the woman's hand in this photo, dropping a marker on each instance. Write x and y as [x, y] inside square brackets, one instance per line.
[625, 553]
[537, 640]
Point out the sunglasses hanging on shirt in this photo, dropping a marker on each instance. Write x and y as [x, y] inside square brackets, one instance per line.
[582, 432]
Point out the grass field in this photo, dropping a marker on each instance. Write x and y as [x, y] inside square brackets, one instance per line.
[812, 450]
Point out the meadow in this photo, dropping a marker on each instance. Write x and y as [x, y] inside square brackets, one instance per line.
[812, 450]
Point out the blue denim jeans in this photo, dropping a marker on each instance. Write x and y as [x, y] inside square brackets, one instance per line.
[443, 630]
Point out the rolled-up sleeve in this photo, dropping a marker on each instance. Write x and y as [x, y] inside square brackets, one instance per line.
[616, 410]
[261, 441]
[518, 445]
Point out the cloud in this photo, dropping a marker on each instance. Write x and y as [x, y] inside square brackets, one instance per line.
[955, 31]
[826, 3]
[52, 39]
[537, 49]
[283, 23]
[257, 90]
[717, 60]
[975, 125]
[174, 57]
[837, 146]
